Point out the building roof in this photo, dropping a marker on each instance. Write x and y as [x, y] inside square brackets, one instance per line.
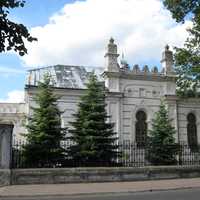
[63, 76]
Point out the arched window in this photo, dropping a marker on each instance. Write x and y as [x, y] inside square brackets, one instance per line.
[141, 128]
[192, 131]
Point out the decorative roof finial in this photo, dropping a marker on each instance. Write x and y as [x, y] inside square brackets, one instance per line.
[167, 47]
[122, 55]
[112, 40]
[123, 62]
[145, 69]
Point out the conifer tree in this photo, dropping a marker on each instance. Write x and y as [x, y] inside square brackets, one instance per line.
[43, 146]
[93, 136]
[162, 149]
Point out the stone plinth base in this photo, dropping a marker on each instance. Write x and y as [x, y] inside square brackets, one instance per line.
[5, 177]
[86, 175]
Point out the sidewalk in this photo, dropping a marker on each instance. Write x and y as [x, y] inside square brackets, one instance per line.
[96, 188]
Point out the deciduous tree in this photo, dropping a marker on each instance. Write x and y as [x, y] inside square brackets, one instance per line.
[12, 35]
[187, 59]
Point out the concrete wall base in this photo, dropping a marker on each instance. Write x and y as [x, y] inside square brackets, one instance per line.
[5, 177]
[86, 175]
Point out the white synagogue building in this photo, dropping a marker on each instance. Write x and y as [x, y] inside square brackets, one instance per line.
[133, 96]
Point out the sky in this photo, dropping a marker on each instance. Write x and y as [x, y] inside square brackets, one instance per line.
[76, 32]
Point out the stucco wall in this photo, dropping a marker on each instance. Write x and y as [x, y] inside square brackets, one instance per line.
[68, 101]
[122, 105]
[13, 114]
[142, 95]
[184, 108]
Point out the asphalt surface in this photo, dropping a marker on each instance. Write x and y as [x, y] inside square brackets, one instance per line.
[180, 194]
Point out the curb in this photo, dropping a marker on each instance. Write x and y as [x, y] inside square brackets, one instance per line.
[90, 194]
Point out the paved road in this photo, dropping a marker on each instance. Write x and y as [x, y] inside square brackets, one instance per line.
[185, 194]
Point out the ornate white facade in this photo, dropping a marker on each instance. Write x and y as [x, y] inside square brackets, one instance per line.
[129, 91]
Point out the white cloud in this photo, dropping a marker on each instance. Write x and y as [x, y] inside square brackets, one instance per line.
[15, 96]
[79, 32]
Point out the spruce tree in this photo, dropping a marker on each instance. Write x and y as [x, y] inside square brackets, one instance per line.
[93, 136]
[43, 148]
[162, 149]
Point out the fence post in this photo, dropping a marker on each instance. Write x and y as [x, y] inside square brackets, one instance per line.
[5, 145]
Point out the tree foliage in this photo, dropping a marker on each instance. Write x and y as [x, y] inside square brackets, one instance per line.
[187, 59]
[93, 136]
[43, 146]
[162, 148]
[12, 35]
[180, 9]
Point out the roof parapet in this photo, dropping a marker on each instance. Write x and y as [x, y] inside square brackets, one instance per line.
[145, 70]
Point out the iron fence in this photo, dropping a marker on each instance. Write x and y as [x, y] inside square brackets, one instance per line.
[130, 155]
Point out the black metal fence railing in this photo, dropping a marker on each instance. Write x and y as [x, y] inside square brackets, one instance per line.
[131, 155]
[189, 155]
